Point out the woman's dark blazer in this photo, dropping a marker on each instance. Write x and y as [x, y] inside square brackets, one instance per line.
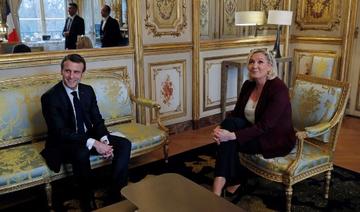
[273, 124]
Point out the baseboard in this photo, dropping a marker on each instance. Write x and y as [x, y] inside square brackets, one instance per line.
[194, 124]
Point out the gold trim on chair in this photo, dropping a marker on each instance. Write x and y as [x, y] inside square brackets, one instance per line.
[311, 157]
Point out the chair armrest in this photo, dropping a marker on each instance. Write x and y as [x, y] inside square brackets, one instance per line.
[152, 105]
[300, 138]
[145, 102]
[317, 129]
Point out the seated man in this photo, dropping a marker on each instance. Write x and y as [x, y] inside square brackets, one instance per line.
[76, 130]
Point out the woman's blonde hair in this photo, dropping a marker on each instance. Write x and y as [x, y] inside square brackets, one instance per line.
[270, 58]
[83, 42]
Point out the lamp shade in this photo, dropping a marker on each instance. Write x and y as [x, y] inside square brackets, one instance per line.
[249, 18]
[279, 17]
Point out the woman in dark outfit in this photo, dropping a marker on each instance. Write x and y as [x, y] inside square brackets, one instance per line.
[260, 123]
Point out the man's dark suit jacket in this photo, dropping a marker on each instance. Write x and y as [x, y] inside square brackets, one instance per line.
[77, 28]
[111, 35]
[273, 123]
[59, 116]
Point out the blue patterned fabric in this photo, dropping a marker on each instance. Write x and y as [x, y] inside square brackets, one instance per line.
[21, 165]
[112, 96]
[314, 104]
[312, 157]
[142, 138]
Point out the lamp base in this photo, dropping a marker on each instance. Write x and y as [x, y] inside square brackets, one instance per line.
[276, 50]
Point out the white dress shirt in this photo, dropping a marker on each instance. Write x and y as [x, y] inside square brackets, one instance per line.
[90, 141]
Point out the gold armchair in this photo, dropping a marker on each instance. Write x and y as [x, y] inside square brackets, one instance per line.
[318, 107]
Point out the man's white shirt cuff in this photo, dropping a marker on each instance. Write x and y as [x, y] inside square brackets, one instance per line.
[90, 143]
[104, 139]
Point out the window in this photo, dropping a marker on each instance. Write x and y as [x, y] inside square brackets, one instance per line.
[39, 17]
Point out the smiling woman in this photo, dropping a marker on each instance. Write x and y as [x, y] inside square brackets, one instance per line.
[41, 22]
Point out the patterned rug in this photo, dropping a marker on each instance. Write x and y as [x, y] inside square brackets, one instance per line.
[264, 195]
[198, 166]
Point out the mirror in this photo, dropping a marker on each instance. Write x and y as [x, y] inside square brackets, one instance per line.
[217, 18]
[41, 23]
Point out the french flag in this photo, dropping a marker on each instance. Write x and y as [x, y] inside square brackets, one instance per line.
[12, 35]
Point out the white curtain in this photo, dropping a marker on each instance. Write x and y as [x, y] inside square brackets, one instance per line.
[14, 8]
[91, 15]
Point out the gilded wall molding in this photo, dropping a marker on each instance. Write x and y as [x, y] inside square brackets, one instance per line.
[168, 88]
[209, 103]
[317, 40]
[195, 106]
[235, 43]
[204, 17]
[165, 17]
[8, 61]
[266, 5]
[139, 59]
[318, 14]
[227, 22]
[357, 102]
[156, 49]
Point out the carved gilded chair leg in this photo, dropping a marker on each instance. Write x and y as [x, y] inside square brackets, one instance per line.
[166, 151]
[327, 183]
[48, 190]
[288, 192]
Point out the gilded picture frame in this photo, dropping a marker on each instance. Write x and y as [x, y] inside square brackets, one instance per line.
[318, 14]
[165, 17]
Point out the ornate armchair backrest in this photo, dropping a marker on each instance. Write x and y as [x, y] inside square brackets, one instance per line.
[318, 102]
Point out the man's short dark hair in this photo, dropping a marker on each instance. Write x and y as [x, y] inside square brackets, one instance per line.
[21, 48]
[108, 9]
[76, 58]
[73, 5]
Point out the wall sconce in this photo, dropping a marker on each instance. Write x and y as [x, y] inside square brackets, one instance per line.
[250, 18]
[279, 17]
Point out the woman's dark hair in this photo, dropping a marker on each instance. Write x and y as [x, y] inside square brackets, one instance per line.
[76, 58]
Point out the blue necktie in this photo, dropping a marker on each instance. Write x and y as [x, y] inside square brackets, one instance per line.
[79, 113]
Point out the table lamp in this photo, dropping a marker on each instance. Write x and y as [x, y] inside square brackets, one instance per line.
[279, 17]
[250, 18]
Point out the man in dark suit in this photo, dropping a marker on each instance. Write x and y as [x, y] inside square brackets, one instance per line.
[74, 26]
[110, 34]
[76, 130]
